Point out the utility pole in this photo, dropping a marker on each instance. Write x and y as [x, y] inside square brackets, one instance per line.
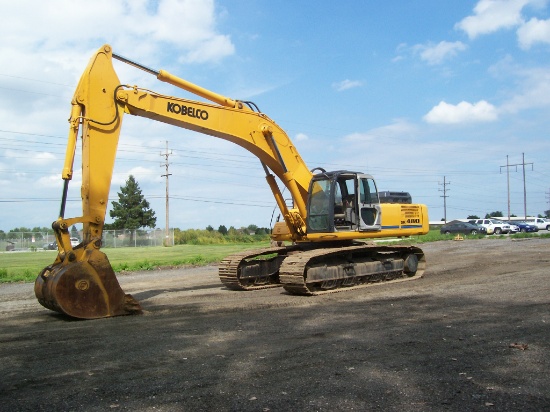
[524, 183]
[166, 154]
[444, 190]
[507, 182]
[524, 186]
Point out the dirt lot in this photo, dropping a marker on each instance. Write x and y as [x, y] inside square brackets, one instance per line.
[444, 342]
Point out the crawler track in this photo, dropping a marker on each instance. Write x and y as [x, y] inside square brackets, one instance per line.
[253, 269]
[320, 271]
[314, 271]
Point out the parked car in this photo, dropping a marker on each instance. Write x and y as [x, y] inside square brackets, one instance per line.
[493, 226]
[50, 246]
[513, 227]
[524, 226]
[53, 246]
[464, 228]
[501, 226]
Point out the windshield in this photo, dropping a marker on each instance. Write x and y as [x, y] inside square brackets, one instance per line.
[318, 213]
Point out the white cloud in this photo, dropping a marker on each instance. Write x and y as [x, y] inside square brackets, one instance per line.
[492, 15]
[188, 26]
[400, 50]
[301, 137]
[436, 54]
[391, 152]
[533, 92]
[534, 31]
[398, 129]
[528, 88]
[463, 112]
[346, 85]
[51, 181]
[42, 67]
[44, 158]
[211, 49]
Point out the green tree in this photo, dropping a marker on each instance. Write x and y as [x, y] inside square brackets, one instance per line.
[39, 232]
[74, 231]
[209, 228]
[473, 217]
[132, 210]
[222, 229]
[493, 214]
[16, 233]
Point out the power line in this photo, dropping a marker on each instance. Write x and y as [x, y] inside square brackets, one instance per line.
[508, 166]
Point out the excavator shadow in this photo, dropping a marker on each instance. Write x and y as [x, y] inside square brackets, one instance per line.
[64, 318]
[148, 294]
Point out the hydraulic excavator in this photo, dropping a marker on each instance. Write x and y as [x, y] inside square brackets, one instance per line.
[321, 246]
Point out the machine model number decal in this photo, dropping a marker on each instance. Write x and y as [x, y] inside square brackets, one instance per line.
[410, 215]
[187, 111]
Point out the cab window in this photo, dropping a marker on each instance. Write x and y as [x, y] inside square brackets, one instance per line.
[318, 213]
[368, 192]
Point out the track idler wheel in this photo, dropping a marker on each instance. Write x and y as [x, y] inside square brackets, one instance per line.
[83, 285]
[411, 265]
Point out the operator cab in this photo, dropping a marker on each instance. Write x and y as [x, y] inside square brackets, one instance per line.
[343, 201]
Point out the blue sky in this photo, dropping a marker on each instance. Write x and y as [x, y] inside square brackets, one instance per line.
[410, 92]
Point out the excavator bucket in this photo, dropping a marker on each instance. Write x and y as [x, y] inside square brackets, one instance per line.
[83, 285]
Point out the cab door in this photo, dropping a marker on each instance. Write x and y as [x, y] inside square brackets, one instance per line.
[370, 212]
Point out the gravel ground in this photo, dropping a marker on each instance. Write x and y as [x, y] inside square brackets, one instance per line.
[472, 335]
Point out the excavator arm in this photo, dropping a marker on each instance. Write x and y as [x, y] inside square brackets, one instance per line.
[100, 103]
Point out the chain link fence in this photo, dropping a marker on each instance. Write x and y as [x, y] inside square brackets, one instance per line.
[137, 238]
[34, 241]
[11, 241]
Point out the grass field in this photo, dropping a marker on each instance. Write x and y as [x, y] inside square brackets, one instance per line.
[25, 266]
